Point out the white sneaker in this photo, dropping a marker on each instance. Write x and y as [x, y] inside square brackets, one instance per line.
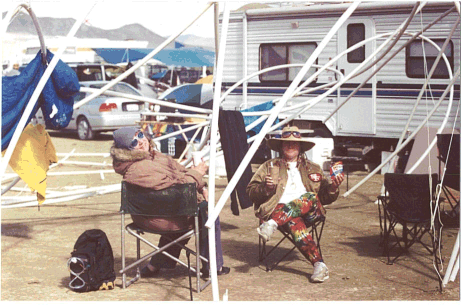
[265, 230]
[320, 273]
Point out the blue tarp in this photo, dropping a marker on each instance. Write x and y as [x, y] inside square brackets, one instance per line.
[250, 119]
[159, 75]
[185, 57]
[56, 99]
[190, 94]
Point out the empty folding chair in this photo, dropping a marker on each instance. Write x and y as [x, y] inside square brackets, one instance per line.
[176, 201]
[315, 229]
[410, 203]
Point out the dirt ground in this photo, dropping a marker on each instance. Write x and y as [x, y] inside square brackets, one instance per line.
[37, 244]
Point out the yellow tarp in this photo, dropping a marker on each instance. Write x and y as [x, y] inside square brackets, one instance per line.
[32, 157]
[205, 80]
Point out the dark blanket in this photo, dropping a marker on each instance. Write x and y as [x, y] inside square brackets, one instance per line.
[235, 146]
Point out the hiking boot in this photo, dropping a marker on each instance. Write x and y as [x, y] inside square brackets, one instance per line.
[265, 230]
[146, 272]
[320, 273]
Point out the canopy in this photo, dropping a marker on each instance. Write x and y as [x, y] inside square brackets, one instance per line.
[185, 57]
[56, 99]
[190, 94]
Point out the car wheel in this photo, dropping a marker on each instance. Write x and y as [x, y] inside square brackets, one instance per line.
[84, 130]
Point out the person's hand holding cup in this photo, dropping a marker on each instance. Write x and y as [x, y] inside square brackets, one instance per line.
[199, 165]
[272, 179]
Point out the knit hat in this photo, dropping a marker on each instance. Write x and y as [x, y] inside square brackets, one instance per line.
[276, 143]
[124, 136]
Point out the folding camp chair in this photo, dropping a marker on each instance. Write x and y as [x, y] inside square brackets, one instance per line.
[410, 203]
[315, 229]
[448, 149]
[178, 200]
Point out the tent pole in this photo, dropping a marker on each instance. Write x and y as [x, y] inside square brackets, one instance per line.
[219, 69]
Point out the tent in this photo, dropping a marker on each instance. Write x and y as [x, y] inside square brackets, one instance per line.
[185, 57]
[56, 99]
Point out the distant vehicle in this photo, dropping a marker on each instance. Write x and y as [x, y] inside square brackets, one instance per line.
[106, 72]
[104, 113]
[96, 71]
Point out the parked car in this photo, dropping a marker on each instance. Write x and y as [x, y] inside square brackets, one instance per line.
[104, 113]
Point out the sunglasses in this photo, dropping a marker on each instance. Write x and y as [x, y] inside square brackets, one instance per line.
[287, 134]
[134, 143]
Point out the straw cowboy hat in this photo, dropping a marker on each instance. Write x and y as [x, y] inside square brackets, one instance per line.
[290, 133]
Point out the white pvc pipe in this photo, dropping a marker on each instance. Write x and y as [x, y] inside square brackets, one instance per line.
[38, 90]
[73, 173]
[72, 154]
[57, 200]
[67, 156]
[219, 68]
[288, 93]
[12, 12]
[175, 133]
[176, 115]
[97, 189]
[441, 53]
[454, 254]
[139, 63]
[85, 163]
[445, 120]
[408, 139]
[454, 273]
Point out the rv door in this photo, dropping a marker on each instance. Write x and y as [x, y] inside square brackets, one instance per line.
[363, 103]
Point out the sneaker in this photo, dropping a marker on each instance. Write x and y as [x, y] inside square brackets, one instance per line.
[320, 273]
[265, 230]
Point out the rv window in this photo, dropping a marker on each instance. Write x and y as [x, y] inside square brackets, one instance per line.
[416, 52]
[355, 34]
[284, 53]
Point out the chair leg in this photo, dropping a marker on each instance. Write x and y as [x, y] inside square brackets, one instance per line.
[197, 247]
[122, 230]
[263, 254]
[190, 276]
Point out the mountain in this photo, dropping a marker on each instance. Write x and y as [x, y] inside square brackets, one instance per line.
[53, 27]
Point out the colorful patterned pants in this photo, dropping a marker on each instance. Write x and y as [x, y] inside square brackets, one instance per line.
[296, 216]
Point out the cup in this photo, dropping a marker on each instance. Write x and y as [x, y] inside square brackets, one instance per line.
[196, 157]
[274, 172]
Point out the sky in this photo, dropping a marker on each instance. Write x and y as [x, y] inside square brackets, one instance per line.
[162, 17]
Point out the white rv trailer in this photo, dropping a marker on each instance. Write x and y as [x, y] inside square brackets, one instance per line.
[376, 116]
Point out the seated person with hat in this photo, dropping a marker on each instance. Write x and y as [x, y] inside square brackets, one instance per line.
[136, 159]
[295, 197]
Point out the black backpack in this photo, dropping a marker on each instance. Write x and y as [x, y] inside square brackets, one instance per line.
[92, 263]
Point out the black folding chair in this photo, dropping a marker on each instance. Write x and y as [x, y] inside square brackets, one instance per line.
[448, 148]
[315, 229]
[410, 203]
[178, 200]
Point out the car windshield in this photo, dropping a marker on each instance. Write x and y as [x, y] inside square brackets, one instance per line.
[120, 87]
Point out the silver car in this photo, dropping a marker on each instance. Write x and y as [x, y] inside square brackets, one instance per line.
[104, 113]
